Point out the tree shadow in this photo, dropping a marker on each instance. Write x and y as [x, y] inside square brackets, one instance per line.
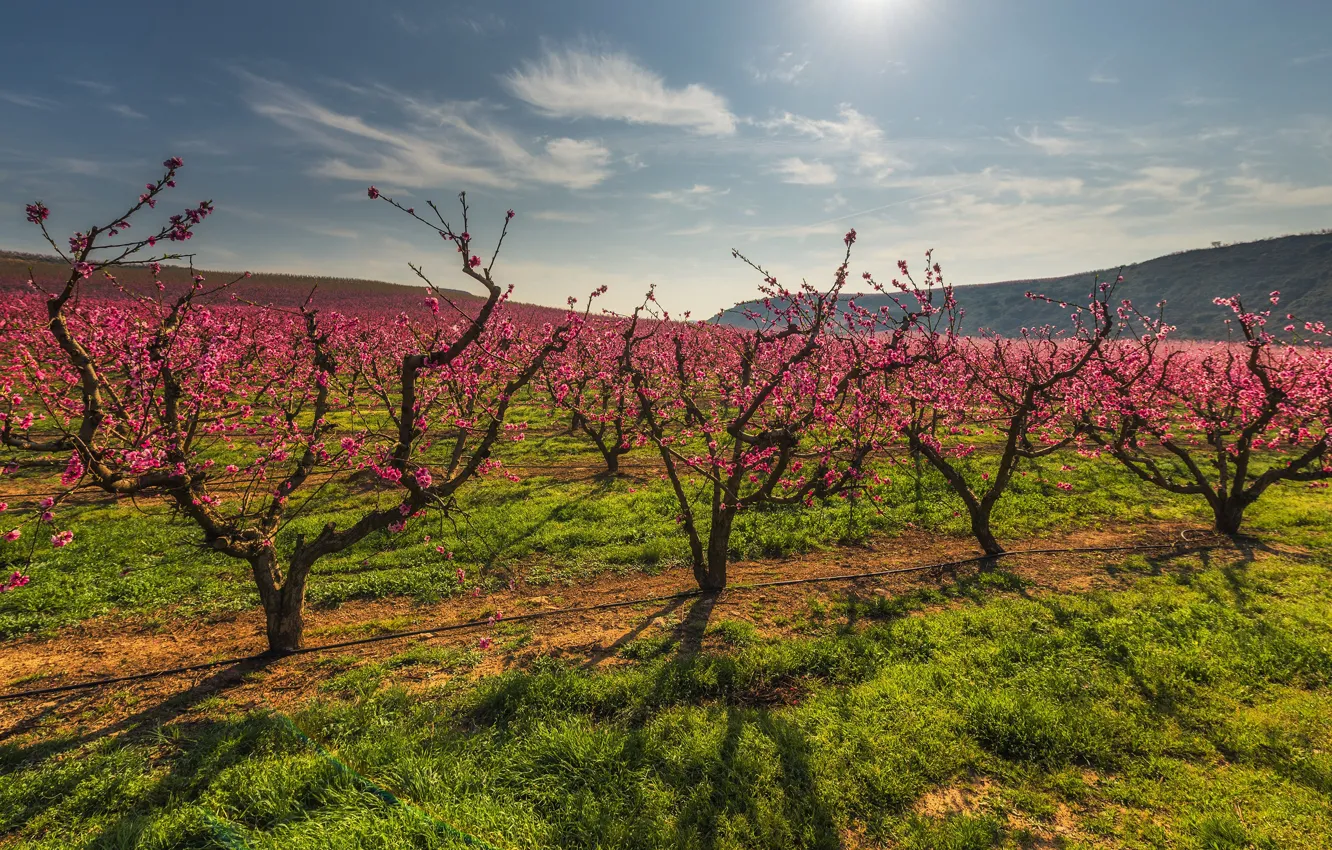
[694, 627]
[146, 720]
[597, 656]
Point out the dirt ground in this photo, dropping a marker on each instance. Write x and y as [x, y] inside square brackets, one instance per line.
[115, 646]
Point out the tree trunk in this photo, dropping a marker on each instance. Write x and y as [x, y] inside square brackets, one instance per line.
[712, 575]
[980, 528]
[1229, 515]
[286, 623]
[284, 603]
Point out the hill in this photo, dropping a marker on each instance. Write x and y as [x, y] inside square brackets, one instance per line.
[1300, 267]
[262, 287]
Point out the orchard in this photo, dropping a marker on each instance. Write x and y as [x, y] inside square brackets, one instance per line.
[237, 414]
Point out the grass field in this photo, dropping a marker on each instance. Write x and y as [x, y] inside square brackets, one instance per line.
[1174, 701]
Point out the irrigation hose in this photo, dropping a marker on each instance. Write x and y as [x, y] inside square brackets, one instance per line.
[1179, 546]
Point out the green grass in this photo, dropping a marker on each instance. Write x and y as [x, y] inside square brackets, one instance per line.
[1190, 709]
[140, 560]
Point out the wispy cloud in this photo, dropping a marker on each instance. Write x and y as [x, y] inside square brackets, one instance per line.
[1053, 145]
[1103, 79]
[436, 144]
[796, 170]
[31, 101]
[124, 111]
[563, 216]
[95, 86]
[612, 86]
[1256, 190]
[787, 69]
[696, 196]
[1311, 58]
[852, 136]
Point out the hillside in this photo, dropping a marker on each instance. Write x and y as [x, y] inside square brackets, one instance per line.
[1300, 267]
[263, 287]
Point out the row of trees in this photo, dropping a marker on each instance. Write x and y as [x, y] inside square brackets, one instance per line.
[241, 416]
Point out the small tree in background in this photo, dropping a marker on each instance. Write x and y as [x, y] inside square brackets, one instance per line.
[756, 414]
[1223, 421]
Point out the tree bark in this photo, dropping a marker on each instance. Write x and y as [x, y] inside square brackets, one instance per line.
[980, 529]
[1229, 515]
[712, 575]
[283, 601]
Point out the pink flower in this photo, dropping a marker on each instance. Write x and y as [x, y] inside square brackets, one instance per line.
[850, 237]
[15, 581]
[508, 215]
[83, 269]
[372, 192]
[423, 479]
[47, 502]
[73, 471]
[485, 643]
[462, 576]
[13, 535]
[4, 506]
[37, 213]
[173, 163]
[433, 304]
[1064, 485]
[62, 539]
[474, 262]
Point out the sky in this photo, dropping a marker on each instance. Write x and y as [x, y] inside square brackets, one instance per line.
[639, 143]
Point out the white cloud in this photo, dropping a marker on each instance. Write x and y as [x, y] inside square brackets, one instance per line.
[1052, 145]
[1280, 194]
[698, 195]
[1312, 58]
[442, 144]
[1102, 79]
[563, 216]
[796, 170]
[124, 111]
[95, 86]
[612, 86]
[31, 101]
[853, 136]
[1162, 181]
[785, 70]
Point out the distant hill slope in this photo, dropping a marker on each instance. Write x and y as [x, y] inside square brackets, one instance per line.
[1299, 266]
[263, 287]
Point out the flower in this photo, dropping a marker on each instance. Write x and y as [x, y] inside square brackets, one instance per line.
[37, 213]
[485, 643]
[372, 192]
[13, 534]
[461, 575]
[62, 539]
[15, 581]
[474, 262]
[508, 215]
[173, 163]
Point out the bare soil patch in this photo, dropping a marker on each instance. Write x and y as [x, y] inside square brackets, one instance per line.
[108, 647]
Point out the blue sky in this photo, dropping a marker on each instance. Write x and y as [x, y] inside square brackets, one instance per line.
[641, 142]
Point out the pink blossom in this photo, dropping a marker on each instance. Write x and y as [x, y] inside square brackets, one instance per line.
[372, 192]
[62, 539]
[13, 534]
